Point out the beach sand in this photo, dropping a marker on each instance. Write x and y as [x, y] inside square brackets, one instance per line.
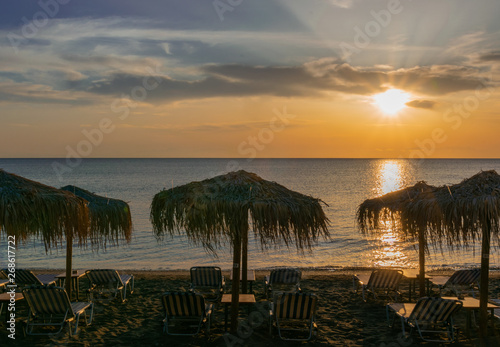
[343, 318]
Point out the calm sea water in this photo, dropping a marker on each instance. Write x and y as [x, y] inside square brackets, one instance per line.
[342, 183]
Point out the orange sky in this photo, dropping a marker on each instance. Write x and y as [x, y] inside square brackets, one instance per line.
[280, 80]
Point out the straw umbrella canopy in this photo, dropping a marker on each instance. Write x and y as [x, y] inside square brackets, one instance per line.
[31, 209]
[466, 211]
[110, 221]
[217, 210]
[394, 208]
[457, 213]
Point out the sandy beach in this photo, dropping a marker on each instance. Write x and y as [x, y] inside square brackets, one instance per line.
[343, 318]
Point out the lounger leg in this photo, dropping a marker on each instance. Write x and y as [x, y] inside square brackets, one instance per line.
[76, 323]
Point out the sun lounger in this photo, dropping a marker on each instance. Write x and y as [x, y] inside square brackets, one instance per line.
[208, 281]
[428, 315]
[185, 307]
[3, 283]
[462, 281]
[109, 282]
[384, 281]
[27, 278]
[49, 306]
[282, 280]
[293, 312]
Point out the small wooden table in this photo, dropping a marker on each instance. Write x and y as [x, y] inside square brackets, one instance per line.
[412, 275]
[470, 304]
[250, 277]
[6, 297]
[75, 280]
[244, 299]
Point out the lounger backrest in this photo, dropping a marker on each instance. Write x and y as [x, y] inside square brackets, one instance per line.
[104, 277]
[285, 276]
[434, 310]
[185, 304]
[295, 305]
[208, 276]
[385, 278]
[26, 277]
[464, 277]
[48, 300]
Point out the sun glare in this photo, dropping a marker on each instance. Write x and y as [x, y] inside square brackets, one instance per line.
[391, 101]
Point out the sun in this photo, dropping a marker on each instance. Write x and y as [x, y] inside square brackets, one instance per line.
[391, 101]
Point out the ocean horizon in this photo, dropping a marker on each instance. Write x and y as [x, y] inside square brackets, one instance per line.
[341, 183]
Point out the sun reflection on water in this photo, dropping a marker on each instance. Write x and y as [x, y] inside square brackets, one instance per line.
[390, 176]
[388, 250]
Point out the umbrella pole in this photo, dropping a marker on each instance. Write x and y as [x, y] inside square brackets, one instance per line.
[421, 261]
[235, 285]
[483, 293]
[244, 261]
[69, 256]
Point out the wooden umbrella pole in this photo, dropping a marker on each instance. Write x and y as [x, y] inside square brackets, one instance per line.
[235, 285]
[69, 256]
[244, 261]
[421, 261]
[483, 294]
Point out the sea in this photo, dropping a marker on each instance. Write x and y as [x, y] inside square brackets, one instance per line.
[343, 184]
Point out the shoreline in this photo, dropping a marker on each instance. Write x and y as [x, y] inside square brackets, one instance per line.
[311, 271]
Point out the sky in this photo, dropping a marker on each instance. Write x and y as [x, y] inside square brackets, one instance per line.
[249, 79]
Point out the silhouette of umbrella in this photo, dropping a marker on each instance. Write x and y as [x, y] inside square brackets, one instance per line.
[373, 213]
[218, 209]
[109, 221]
[467, 211]
[31, 209]
[459, 213]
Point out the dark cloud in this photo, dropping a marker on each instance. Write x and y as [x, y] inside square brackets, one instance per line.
[427, 104]
[235, 80]
[491, 56]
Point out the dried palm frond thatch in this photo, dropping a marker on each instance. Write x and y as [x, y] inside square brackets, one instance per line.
[455, 214]
[209, 210]
[219, 209]
[110, 219]
[394, 207]
[31, 209]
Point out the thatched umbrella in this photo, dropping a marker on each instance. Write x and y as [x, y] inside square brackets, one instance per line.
[31, 209]
[459, 213]
[110, 220]
[464, 211]
[394, 208]
[217, 210]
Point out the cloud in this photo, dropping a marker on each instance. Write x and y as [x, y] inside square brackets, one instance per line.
[490, 56]
[31, 93]
[426, 104]
[342, 3]
[314, 79]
